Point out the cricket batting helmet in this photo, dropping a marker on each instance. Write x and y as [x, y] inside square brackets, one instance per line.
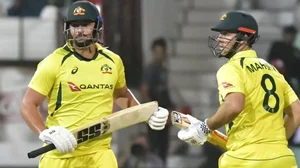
[83, 11]
[239, 22]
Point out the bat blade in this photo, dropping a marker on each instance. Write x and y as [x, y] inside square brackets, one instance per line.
[217, 138]
[116, 121]
[122, 119]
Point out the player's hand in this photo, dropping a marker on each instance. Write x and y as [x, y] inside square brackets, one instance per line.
[62, 138]
[196, 134]
[159, 119]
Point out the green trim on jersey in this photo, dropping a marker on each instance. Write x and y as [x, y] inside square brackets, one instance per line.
[78, 56]
[105, 55]
[81, 58]
[58, 99]
[65, 58]
[242, 62]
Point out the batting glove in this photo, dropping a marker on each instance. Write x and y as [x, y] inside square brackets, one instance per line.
[159, 119]
[63, 139]
[196, 134]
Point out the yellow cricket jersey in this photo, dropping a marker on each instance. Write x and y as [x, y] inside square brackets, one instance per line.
[79, 91]
[266, 95]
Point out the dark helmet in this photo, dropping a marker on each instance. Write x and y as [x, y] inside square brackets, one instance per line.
[86, 12]
[238, 22]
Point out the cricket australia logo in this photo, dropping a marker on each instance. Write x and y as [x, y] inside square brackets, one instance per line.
[105, 69]
[79, 11]
[223, 17]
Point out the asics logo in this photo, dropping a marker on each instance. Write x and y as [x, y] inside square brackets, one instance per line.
[74, 70]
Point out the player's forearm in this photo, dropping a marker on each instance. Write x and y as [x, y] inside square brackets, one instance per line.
[124, 92]
[290, 126]
[32, 117]
[223, 116]
[131, 98]
[292, 118]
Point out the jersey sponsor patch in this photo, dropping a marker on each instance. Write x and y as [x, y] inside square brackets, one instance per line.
[227, 85]
[73, 87]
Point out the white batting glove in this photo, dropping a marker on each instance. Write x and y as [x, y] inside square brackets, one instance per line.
[196, 134]
[62, 138]
[159, 119]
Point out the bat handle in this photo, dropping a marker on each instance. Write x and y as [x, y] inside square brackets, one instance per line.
[40, 151]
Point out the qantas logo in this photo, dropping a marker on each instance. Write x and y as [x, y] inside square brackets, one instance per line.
[226, 85]
[96, 86]
[73, 87]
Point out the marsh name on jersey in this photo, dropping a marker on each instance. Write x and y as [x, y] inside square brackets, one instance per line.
[258, 66]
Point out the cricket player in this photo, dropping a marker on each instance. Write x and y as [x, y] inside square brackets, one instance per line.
[80, 81]
[254, 97]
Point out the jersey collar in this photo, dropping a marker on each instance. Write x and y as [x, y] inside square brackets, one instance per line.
[99, 47]
[247, 54]
[68, 47]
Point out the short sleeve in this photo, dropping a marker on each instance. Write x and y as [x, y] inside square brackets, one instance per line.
[45, 76]
[121, 74]
[230, 80]
[289, 95]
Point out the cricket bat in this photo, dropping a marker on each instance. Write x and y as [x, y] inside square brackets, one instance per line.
[116, 121]
[215, 137]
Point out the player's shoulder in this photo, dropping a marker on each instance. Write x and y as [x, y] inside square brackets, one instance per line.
[54, 58]
[223, 69]
[110, 54]
[58, 54]
[61, 51]
[228, 66]
[263, 61]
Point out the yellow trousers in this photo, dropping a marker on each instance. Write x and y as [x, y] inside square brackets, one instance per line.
[102, 159]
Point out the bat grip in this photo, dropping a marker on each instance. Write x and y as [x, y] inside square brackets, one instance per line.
[40, 151]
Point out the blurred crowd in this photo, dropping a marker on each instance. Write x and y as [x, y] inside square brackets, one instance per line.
[32, 8]
[285, 56]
